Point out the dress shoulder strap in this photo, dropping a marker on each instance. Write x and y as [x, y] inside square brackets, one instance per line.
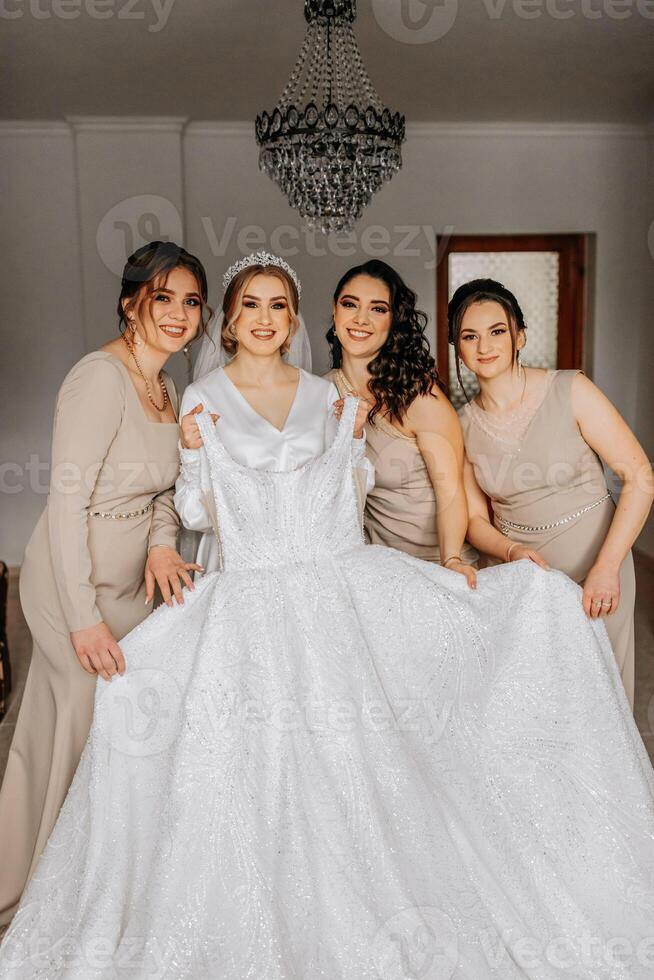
[336, 378]
[562, 380]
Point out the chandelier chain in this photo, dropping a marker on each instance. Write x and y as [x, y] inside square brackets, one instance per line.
[330, 142]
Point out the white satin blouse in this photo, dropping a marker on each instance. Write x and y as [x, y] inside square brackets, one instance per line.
[253, 441]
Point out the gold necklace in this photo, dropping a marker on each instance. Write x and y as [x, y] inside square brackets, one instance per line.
[130, 348]
[345, 382]
[524, 388]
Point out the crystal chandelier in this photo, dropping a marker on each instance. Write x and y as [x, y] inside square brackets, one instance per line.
[330, 142]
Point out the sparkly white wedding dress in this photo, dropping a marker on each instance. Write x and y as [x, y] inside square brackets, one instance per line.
[337, 761]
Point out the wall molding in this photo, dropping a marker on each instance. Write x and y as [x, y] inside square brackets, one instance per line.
[545, 129]
[33, 127]
[417, 130]
[211, 127]
[127, 124]
[217, 127]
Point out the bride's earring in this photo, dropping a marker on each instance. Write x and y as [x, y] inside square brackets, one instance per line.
[286, 346]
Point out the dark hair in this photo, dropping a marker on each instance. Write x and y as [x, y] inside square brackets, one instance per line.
[482, 291]
[404, 367]
[147, 269]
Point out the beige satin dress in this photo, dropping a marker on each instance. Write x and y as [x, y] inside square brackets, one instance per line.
[80, 570]
[400, 510]
[548, 491]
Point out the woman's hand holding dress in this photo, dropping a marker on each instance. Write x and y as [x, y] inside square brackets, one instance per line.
[97, 651]
[190, 431]
[165, 567]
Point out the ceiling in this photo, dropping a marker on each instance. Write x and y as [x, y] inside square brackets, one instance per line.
[495, 60]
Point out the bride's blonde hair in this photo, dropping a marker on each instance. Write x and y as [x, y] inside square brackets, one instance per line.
[233, 303]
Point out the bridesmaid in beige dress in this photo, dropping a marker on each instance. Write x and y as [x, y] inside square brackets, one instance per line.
[413, 437]
[106, 536]
[535, 442]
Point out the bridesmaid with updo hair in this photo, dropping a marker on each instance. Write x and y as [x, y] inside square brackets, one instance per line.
[107, 536]
[536, 441]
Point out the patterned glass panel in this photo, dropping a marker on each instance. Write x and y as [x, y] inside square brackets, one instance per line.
[534, 278]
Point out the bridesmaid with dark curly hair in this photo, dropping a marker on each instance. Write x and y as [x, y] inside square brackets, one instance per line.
[380, 353]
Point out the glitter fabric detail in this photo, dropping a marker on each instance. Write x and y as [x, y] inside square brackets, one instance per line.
[337, 762]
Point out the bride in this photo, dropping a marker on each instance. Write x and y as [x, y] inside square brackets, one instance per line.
[273, 416]
[338, 761]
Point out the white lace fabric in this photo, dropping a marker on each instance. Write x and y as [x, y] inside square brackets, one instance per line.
[509, 428]
[336, 761]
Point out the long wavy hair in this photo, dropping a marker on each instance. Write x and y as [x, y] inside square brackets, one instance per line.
[404, 367]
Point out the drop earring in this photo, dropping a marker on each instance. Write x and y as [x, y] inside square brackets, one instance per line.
[135, 337]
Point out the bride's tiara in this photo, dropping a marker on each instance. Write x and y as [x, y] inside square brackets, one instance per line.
[261, 258]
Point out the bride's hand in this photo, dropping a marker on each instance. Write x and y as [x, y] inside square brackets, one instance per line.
[190, 430]
[97, 651]
[468, 571]
[361, 417]
[165, 567]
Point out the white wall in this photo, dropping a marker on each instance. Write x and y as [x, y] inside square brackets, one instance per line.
[79, 196]
[645, 367]
[42, 322]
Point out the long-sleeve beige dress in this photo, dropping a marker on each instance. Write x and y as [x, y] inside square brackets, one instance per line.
[548, 491]
[400, 510]
[81, 569]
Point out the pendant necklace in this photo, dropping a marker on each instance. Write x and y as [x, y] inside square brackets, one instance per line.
[162, 408]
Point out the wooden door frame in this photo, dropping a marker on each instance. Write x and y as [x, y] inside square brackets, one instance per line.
[572, 249]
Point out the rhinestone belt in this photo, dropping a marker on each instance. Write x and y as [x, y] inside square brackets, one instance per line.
[116, 517]
[512, 526]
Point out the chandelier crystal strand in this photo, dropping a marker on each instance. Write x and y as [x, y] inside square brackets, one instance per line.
[330, 142]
